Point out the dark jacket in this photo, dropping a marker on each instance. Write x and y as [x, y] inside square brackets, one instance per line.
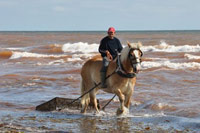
[111, 45]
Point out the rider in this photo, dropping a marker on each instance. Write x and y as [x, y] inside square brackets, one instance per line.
[107, 48]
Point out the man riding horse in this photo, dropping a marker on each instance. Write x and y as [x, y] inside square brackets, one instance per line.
[121, 72]
[109, 46]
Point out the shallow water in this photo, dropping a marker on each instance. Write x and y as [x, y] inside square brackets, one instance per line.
[38, 66]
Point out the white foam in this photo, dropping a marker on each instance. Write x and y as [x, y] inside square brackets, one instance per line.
[172, 65]
[78, 57]
[164, 47]
[61, 61]
[82, 55]
[80, 47]
[16, 55]
[28, 84]
[150, 64]
[15, 48]
[74, 59]
[189, 56]
[154, 115]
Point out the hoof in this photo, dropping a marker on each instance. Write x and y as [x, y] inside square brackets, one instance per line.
[83, 111]
[119, 111]
[96, 112]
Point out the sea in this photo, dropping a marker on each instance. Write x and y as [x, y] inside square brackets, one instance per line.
[37, 66]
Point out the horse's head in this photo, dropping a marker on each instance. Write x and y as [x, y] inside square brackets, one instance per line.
[134, 55]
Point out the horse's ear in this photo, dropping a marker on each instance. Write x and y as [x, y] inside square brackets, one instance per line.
[129, 44]
[139, 44]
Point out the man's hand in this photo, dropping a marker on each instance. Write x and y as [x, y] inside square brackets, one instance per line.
[109, 56]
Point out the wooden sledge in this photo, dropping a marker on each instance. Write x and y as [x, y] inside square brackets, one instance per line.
[58, 103]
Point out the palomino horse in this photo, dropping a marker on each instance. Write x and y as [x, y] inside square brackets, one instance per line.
[121, 82]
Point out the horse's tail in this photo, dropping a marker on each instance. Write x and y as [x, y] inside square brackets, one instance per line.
[85, 100]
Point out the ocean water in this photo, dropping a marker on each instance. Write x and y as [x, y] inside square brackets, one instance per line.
[38, 66]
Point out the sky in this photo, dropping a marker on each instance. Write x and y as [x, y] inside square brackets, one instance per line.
[95, 15]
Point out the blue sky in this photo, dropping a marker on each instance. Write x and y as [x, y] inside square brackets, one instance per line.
[80, 15]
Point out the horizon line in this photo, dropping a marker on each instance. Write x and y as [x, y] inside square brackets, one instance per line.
[93, 30]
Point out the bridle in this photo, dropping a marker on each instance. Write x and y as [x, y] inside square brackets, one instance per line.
[133, 61]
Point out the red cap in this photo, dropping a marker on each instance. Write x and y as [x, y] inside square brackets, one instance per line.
[111, 29]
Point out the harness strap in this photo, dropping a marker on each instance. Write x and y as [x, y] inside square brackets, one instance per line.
[126, 75]
[120, 70]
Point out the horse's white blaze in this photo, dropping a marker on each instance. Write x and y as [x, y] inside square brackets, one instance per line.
[136, 53]
[137, 66]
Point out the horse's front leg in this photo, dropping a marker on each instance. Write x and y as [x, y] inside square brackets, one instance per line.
[128, 98]
[121, 99]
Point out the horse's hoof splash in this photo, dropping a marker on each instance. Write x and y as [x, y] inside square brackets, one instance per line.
[119, 111]
[122, 112]
[83, 112]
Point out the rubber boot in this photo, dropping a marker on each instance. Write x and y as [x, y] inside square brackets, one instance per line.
[103, 80]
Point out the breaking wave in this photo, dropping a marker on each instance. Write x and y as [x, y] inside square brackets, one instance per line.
[171, 65]
[85, 48]
[164, 47]
[81, 51]
[80, 47]
[16, 55]
[189, 56]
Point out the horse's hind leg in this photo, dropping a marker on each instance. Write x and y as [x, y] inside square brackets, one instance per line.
[85, 102]
[83, 110]
[94, 100]
[121, 99]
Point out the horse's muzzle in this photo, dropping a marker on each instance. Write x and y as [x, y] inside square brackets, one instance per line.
[136, 67]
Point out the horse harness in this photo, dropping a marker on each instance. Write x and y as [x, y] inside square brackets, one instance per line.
[133, 60]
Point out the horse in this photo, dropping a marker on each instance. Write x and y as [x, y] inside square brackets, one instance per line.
[121, 81]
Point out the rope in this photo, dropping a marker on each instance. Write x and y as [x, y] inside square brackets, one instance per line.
[108, 102]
